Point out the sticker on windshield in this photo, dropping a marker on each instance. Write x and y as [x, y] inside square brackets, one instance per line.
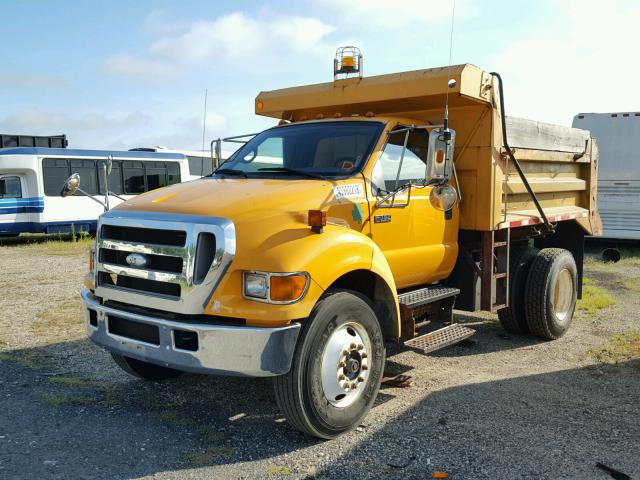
[353, 190]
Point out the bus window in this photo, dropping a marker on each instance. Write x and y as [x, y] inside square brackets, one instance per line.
[200, 166]
[55, 172]
[173, 172]
[88, 175]
[10, 187]
[156, 175]
[133, 174]
[115, 179]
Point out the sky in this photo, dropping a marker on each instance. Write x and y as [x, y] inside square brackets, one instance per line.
[124, 74]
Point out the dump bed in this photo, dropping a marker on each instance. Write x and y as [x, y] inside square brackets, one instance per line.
[560, 163]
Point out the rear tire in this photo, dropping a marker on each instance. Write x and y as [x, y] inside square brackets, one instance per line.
[144, 370]
[513, 318]
[551, 293]
[341, 345]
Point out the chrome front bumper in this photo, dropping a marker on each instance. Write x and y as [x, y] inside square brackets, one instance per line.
[221, 349]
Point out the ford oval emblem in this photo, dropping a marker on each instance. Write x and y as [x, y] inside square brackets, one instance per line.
[137, 260]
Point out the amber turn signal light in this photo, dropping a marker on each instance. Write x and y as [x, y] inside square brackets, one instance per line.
[439, 156]
[317, 220]
[287, 288]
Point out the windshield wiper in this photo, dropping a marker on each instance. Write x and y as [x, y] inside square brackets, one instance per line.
[292, 171]
[231, 171]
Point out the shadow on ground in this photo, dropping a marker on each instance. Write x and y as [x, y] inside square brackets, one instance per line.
[67, 412]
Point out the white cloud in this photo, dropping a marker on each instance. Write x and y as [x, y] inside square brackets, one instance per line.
[389, 15]
[152, 70]
[580, 61]
[232, 39]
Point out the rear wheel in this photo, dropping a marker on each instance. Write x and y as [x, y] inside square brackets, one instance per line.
[551, 293]
[513, 318]
[145, 370]
[337, 367]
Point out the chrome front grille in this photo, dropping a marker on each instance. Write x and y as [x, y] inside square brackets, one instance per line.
[184, 258]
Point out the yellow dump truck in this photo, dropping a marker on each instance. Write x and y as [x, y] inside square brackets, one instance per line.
[373, 207]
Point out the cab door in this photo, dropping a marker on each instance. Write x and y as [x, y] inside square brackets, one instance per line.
[418, 241]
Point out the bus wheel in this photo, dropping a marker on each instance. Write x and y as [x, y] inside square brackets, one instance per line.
[145, 370]
[551, 292]
[337, 367]
[513, 318]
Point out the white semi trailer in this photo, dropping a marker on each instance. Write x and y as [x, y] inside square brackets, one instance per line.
[618, 137]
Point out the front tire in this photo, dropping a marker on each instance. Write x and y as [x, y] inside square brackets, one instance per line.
[144, 370]
[337, 367]
[551, 293]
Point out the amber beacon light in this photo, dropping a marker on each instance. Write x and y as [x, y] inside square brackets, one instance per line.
[348, 61]
[317, 220]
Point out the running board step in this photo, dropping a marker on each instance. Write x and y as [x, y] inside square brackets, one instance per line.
[443, 337]
[423, 296]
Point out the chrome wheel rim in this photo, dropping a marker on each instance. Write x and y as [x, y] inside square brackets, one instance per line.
[346, 362]
[563, 295]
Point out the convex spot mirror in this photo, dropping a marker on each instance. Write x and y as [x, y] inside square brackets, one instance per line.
[440, 155]
[71, 185]
[443, 197]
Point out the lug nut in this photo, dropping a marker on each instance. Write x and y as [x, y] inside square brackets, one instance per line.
[342, 364]
[361, 379]
[364, 355]
[360, 347]
[342, 377]
[345, 353]
[364, 367]
[353, 346]
[344, 385]
[354, 385]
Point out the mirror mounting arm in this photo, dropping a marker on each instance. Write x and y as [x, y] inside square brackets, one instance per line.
[106, 208]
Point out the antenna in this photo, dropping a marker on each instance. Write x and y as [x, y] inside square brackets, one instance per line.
[451, 83]
[204, 128]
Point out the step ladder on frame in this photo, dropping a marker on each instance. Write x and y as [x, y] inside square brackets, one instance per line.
[431, 307]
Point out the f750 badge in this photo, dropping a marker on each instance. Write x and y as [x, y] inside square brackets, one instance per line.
[382, 218]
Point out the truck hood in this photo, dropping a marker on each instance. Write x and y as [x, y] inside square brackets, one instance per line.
[252, 202]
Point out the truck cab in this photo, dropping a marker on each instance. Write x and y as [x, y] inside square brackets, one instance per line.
[361, 218]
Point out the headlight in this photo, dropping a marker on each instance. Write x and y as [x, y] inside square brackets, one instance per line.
[275, 287]
[256, 285]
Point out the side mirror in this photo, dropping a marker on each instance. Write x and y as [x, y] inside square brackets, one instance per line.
[440, 155]
[71, 185]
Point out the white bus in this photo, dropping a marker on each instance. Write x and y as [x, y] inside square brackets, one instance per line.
[31, 180]
[201, 162]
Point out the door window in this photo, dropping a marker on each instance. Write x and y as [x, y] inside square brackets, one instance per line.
[10, 187]
[414, 163]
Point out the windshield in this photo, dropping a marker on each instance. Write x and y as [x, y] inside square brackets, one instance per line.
[325, 149]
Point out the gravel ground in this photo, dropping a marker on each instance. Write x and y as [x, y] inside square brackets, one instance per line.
[499, 406]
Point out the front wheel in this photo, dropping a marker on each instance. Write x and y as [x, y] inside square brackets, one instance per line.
[337, 367]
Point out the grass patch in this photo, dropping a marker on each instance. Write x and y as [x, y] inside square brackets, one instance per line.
[631, 284]
[35, 360]
[62, 321]
[174, 418]
[622, 348]
[594, 298]
[278, 471]
[208, 456]
[76, 382]
[55, 400]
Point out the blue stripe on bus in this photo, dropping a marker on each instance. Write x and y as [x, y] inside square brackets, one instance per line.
[21, 205]
[48, 227]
